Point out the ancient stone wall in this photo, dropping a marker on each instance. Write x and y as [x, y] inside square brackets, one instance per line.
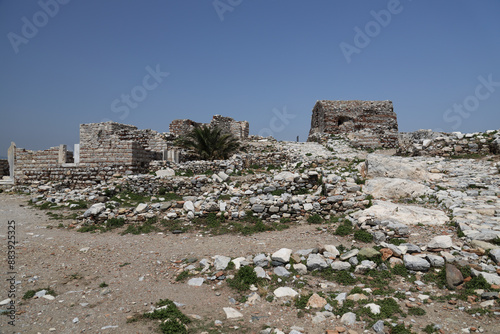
[119, 144]
[28, 161]
[180, 127]
[239, 129]
[455, 144]
[366, 123]
[4, 168]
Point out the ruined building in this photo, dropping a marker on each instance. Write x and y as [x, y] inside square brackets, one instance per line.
[238, 129]
[365, 123]
[104, 149]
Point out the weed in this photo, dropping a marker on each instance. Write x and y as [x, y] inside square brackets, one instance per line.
[301, 301]
[182, 276]
[245, 277]
[147, 227]
[416, 311]
[400, 269]
[124, 264]
[429, 329]
[400, 329]
[103, 285]
[172, 319]
[363, 236]
[31, 293]
[397, 241]
[277, 192]
[315, 219]
[344, 229]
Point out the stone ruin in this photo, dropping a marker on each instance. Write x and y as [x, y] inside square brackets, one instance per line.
[105, 149]
[239, 129]
[365, 123]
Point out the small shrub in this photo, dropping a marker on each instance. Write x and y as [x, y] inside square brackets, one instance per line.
[301, 301]
[315, 219]
[103, 285]
[245, 277]
[416, 311]
[363, 236]
[344, 229]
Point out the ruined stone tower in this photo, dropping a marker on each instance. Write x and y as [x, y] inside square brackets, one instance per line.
[365, 123]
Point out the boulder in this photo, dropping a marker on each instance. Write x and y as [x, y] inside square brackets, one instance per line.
[416, 263]
[395, 188]
[401, 213]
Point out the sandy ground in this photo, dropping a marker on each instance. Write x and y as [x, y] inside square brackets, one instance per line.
[57, 258]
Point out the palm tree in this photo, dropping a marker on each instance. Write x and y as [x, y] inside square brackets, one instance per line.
[209, 143]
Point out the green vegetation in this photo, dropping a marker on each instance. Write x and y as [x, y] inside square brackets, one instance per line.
[301, 300]
[103, 285]
[31, 293]
[182, 276]
[245, 277]
[344, 229]
[172, 320]
[315, 219]
[209, 143]
[363, 236]
[147, 227]
[416, 311]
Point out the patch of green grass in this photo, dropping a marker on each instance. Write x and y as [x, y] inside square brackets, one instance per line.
[439, 278]
[363, 236]
[400, 329]
[397, 241]
[301, 300]
[90, 228]
[182, 276]
[416, 311]
[315, 219]
[31, 293]
[342, 277]
[172, 319]
[245, 277]
[430, 329]
[147, 227]
[278, 192]
[113, 223]
[301, 191]
[344, 229]
[400, 269]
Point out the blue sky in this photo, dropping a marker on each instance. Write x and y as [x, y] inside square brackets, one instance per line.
[70, 62]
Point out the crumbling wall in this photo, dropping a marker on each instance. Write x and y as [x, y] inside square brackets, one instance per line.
[27, 161]
[239, 129]
[109, 144]
[455, 144]
[366, 123]
[180, 127]
[4, 168]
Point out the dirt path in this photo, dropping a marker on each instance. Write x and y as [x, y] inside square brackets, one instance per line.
[57, 258]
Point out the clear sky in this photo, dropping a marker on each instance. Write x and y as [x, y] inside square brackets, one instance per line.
[148, 62]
